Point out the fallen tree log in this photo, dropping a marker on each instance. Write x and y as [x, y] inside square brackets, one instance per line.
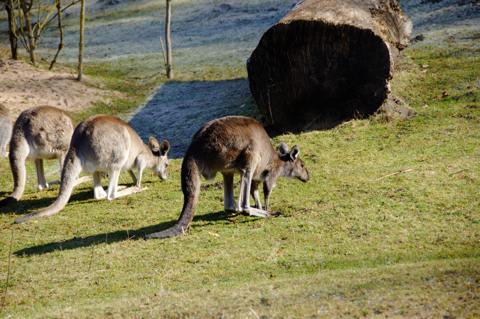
[327, 61]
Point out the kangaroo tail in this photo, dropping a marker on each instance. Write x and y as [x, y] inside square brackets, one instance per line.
[191, 191]
[17, 156]
[71, 169]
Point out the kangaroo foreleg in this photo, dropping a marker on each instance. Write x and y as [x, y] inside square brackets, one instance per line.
[267, 191]
[255, 195]
[244, 197]
[113, 186]
[251, 211]
[134, 178]
[229, 203]
[139, 179]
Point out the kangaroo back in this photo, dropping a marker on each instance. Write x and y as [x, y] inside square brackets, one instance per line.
[41, 132]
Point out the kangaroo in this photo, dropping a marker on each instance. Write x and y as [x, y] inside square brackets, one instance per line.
[5, 129]
[41, 132]
[103, 143]
[234, 145]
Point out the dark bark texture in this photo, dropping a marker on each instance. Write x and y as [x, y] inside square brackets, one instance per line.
[327, 61]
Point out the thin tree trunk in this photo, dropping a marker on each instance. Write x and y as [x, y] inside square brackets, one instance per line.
[80, 53]
[31, 39]
[60, 45]
[167, 39]
[12, 34]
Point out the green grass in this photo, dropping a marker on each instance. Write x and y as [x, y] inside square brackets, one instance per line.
[388, 225]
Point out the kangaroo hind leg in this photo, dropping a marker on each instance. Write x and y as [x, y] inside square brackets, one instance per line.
[41, 182]
[98, 191]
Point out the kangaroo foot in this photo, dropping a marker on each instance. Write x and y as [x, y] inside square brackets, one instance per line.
[99, 193]
[255, 212]
[260, 213]
[53, 183]
[129, 191]
[83, 180]
[231, 209]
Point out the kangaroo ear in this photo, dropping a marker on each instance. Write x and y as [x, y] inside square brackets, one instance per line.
[294, 152]
[153, 144]
[283, 148]
[164, 147]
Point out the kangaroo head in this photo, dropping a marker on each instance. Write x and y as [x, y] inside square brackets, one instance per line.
[293, 166]
[160, 151]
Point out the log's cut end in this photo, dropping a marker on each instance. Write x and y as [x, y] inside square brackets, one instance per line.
[306, 74]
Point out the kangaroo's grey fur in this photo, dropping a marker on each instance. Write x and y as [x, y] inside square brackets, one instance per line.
[234, 145]
[104, 143]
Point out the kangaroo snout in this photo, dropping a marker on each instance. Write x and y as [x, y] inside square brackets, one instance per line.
[163, 176]
[305, 178]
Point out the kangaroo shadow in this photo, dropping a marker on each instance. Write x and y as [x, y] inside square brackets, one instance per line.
[24, 206]
[120, 235]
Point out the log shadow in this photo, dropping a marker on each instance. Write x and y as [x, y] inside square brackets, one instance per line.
[195, 103]
[120, 235]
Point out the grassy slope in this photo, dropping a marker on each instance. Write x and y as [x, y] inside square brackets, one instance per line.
[355, 240]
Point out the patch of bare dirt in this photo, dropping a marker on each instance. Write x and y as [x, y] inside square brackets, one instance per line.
[23, 86]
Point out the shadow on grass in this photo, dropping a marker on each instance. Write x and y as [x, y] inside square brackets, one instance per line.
[25, 206]
[28, 205]
[194, 104]
[117, 236]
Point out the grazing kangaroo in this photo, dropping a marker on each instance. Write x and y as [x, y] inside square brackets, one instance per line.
[41, 132]
[104, 143]
[234, 145]
[5, 129]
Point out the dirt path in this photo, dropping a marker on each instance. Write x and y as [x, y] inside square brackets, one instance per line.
[23, 86]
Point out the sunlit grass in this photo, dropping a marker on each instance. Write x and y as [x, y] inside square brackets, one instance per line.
[388, 225]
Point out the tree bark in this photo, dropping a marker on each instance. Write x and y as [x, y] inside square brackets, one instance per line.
[32, 44]
[81, 43]
[12, 35]
[327, 61]
[168, 42]
[60, 29]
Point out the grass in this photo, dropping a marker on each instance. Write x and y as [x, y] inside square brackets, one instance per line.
[388, 225]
